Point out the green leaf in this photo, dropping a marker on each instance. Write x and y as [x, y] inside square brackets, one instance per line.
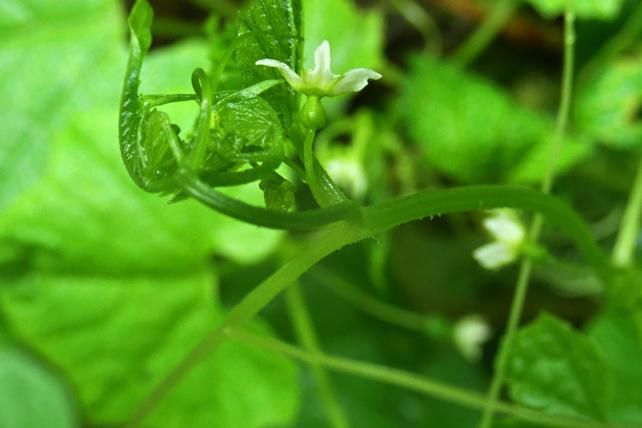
[473, 132]
[115, 338]
[558, 370]
[618, 334]
[586, 9]
[30, 396]
[607, 107]
[50, 52]
[249, 130]
[271, 29]
[85, 212]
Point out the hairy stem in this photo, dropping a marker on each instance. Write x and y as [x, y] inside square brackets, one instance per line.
[307, 337]
[625, 245]
[485, 33]
[374, 220]
[523, 279]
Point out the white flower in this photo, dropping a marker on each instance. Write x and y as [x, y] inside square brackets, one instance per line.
[321, 81]
[469, 334]
[348, 173]
[508, 234]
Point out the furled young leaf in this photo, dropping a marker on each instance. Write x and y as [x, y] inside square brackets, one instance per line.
[587, 9]
[115, 338]
[607, 107]
[618, 335]
[473, 132]
[271, 29]
[54, 59]
[30, 396]
[558, 370]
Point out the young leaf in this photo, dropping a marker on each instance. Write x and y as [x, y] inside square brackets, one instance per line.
[30, 396]
[247, 130]
[586, 9]
[473, 132]
[271, 29]
[618, 334]
[558, 370]
[115, 338]
[278, 193]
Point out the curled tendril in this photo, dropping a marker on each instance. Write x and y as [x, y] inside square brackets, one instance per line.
[237, 139]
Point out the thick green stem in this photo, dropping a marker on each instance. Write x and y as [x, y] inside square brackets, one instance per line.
[320, 245]
[375, 220]
[308, 338]
[624, 249]
[406, 380]
[521, 287]
[485, 33]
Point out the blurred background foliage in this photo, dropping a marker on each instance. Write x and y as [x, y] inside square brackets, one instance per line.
[103, 288]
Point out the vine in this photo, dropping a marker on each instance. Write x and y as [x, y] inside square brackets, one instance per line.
[244, 135]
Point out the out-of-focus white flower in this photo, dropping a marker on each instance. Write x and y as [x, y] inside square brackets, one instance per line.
[349, 174]
[508, 238]
[321, 81]
[469, 334]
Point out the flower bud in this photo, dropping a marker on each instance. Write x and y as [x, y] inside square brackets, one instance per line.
[312, 114]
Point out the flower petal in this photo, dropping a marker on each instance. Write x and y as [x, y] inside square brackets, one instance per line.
[504, 227]
[494, 255]
[321, 75]
[292, 78]
[354, 80]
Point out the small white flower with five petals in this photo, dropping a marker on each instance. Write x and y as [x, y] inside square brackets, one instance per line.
[321, 81]
[509, 236]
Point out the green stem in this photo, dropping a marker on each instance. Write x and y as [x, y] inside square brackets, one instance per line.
[375, 220]
[406, 380]
[368, 304]
[308, 338]
[629, 228]
[321, 244]
[485, 33]
[310, 175]
[523, 279]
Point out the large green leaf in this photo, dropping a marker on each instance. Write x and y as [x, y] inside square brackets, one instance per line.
[607, 107]
[472, 131]
[558, 370]
[587, 9]
[115, 338]
[54, 59]
[85, 213]
[618, 334]
[31, 397]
